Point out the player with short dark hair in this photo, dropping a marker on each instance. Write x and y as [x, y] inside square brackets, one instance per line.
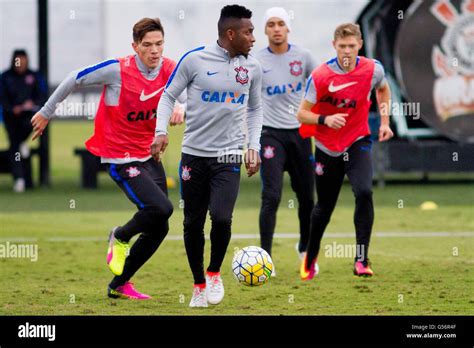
[335, 112]
[223, 87]
[285, 70]
[123, 132]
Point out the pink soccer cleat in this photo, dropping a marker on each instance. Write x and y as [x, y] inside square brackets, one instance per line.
[308, 274]
[362, 269]
[127, 291]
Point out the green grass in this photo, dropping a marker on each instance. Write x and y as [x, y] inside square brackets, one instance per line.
[421, 270]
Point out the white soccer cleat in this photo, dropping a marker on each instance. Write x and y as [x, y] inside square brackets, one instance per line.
[24, 150]
[274, 273]
[19, 185]
[301, 254]
[199, 298]
[215, 289]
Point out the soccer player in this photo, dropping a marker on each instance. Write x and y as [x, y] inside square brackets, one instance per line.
[124, 130]
[224, 90]
[285, 70]
[335, 112]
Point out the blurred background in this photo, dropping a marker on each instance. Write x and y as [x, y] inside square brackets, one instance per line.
[424, 197]
[432, 142]
[80, 33]
[84, 32]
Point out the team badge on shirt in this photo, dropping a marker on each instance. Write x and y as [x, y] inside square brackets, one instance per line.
[296, 68]
[185, 173]
[29, 79]
[133, 172]
[242, 76]
[319, 168]
[268, 152]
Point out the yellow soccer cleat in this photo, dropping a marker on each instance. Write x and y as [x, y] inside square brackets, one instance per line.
[116, 254]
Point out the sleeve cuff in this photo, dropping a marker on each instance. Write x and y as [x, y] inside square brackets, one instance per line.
[160, 132]
[255, 147]
[46, 114]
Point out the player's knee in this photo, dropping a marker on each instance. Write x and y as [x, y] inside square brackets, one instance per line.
[168, 209]
[306, 203]
[364, 193]
[165, 228]
[271, 200]
[194, 224]
[322, 211]
[221, 219]
[163, 210]
[158, 213]
[191, 232]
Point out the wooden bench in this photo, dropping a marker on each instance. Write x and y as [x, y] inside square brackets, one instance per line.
[90, 168]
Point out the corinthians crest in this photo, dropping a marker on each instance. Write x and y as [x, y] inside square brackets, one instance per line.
[453, 63]
[296, 68]
[242, 76]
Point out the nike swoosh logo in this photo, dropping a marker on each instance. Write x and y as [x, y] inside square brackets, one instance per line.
[265, 71]
[333, 88]
[212, 73]
[144, 97]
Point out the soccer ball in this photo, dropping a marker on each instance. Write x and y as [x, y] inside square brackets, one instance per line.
[252, 266]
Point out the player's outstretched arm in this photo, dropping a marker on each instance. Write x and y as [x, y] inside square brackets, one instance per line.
[104, 73]
[383, 100]
[39, 123]
[41, 119]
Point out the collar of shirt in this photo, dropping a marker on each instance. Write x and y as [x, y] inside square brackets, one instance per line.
[270, 50]
[148, 73]
[222, 51]
[341, 70]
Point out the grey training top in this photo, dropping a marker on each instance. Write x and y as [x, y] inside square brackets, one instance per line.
[378, 80]
[106, 73]
[283, 84]
[222, 93]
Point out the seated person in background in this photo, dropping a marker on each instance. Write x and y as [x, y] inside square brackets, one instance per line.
[22, 91]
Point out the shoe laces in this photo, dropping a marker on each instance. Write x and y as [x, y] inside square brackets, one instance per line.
[199, 294]
[129, 286]
[123, 245]
[215, 283]
[365, 263]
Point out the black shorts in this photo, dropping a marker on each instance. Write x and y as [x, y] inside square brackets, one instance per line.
[208, 184]
[144, 183]
[285, 150]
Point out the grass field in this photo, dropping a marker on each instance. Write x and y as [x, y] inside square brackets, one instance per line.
[417, 271]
